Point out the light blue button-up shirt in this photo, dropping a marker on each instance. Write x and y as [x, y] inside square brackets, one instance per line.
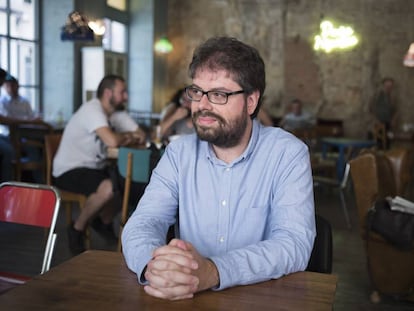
[254, 217]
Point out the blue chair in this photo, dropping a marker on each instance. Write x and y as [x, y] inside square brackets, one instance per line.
[135, 166]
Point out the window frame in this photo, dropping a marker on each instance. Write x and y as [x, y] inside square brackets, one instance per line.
[7, 62]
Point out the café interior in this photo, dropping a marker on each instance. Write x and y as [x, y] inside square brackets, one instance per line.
[331, 54]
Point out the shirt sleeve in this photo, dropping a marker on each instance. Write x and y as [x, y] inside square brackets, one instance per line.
[121, 121]
[147, 227]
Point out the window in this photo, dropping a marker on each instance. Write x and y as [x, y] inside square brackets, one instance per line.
[117, 4]
[115, 36]
[19, 45]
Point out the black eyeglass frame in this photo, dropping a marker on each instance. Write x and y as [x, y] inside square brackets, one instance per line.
[227, 94]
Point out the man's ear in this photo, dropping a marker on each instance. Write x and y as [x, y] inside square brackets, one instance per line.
[252, 102]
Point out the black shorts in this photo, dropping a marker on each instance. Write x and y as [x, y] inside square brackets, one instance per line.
[87, 180]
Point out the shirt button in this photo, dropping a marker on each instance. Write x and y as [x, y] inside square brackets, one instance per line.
[222, 239]
[223, 202]
[227, 169]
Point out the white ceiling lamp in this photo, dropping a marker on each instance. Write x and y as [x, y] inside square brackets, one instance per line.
[409, 57]
[98, 27]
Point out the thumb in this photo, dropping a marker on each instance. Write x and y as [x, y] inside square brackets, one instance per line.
[180, 244]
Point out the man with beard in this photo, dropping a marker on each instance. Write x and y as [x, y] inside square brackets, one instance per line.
[80, 163]
[241, 194]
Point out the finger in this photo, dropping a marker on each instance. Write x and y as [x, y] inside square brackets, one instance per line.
[170, 250]
[180, 244]
[173, 262]
[167, 263]
[170, 278]
[171, 294]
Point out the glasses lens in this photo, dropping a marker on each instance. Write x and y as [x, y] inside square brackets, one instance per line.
[193, 93]
[217, 97]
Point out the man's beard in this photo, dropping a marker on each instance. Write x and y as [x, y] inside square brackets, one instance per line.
[117, 106]
[227, 134]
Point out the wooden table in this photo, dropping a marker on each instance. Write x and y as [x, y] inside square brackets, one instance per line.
[344, 144]
[100, 280]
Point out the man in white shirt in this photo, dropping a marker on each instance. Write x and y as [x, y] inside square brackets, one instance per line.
[80, 163]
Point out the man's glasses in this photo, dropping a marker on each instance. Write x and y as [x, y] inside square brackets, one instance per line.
[215, 97]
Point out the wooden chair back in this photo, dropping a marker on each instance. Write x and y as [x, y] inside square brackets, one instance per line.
[373, 178]
[379, 133]
[26, 134]
[52, 142]
[134, 166]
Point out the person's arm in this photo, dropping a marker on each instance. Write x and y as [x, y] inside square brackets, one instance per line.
[123, 123]
[264, 117]
[147, 228]
[166, 124]
[112, 139]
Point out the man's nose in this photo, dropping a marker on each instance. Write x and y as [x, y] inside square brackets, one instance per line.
[204, 103]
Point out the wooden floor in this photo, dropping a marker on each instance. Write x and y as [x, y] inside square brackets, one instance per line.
[348, 259]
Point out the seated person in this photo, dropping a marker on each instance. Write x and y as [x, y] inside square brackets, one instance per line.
[80, 163]
[264, 117]
[3, 75]
[177, 119]
[13, 108]
[241, 193]
[297, 118]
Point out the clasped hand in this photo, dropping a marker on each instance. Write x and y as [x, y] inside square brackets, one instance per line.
[177, 271]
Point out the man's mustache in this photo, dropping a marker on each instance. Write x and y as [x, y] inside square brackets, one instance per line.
[198, 114]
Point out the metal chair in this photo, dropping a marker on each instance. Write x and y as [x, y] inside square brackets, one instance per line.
[135, 166]
[52, 142]
[33, 205]
[339, 185]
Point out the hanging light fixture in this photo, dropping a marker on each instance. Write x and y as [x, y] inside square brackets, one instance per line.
[409, 57]
[163, 46]
[98, 27]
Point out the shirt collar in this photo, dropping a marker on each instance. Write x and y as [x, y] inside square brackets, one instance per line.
[211, 156]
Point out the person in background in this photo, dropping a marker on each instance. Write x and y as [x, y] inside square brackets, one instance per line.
[264, 117]
[80, 163]
[384, 103]
[384, 106]
[240, 193]
[13, 108]
[3, 75]
[177, 117]
[297, 118]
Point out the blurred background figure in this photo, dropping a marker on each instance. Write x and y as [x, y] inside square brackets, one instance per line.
[13, 108]
[384, 103]
[264, 117]
[383, 107]
[297, 118]
[3, 74]
[176, 117]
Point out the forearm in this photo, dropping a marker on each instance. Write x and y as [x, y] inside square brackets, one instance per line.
[139, 240]
[266, 260]
[166, 125]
